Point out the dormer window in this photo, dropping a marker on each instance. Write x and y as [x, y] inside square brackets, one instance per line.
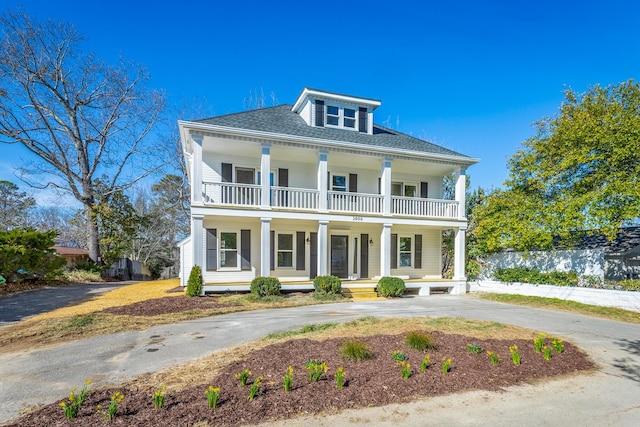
[341, 117]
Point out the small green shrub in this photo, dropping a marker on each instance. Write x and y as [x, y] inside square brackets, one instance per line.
[27, 254]
[420, 341]
[89, 266]
[529, 275]
[327, 284]
[391, 287]
[265, 286]
[194, 284]
[355, 351]
[630, 285]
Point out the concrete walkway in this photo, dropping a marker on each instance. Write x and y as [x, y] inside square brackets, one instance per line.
[609, 397]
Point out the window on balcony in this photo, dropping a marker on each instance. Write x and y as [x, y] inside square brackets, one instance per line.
[285, 250]
[403, 189]
[339, 183]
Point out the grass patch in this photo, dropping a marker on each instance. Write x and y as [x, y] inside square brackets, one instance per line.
[301, 331]
[420, 341]
[322, 296]
[355, 351]
[610, 313]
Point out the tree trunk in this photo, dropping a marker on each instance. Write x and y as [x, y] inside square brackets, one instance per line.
[93, 237]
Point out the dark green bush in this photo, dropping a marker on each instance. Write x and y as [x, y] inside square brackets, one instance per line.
[355, 351]
[390, 287]
[265, 286]
[420, 341]
[28, 254]
[194, 284]
[89, 266]
[327, 284]
[529, 275]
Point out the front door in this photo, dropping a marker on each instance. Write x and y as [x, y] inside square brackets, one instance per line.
[340, 256]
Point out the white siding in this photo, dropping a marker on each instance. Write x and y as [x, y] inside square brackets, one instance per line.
[431, 253]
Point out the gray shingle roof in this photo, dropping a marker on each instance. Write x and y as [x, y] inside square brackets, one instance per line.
[280, 119]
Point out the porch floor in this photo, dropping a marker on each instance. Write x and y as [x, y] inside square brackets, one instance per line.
[422, 287]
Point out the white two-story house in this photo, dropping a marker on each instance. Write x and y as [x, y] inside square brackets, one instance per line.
[317, 188]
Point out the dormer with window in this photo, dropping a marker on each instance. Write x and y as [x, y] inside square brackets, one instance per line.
[333, 110]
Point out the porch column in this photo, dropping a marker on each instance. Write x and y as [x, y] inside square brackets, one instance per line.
[322, 182]
[385, 250]
[323, 248]
[265, 176]
[197, 242]
[459, 258]
[461, 190]
[196, 168]
[265, 247]
[385, 186]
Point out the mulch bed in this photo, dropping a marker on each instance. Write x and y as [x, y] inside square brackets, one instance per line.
[373, 382]
[175, 304]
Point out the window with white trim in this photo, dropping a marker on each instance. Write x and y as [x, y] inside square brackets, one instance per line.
[339, 183]
[405, 251]
[341, 117]
[285, 251]
[404, 189]
[229, 250]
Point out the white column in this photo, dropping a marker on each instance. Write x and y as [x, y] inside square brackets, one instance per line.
[385, 250]
[196, 168]
[322, 182]
[459, 258]
[323, 248]
[197, 242]
[265, 176]
[385, 186]
[265, 247]
[461, 190]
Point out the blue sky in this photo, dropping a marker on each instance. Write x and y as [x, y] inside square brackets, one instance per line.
[472, 76]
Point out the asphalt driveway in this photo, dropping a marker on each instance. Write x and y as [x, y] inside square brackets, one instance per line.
[17, 307]
[609, 397]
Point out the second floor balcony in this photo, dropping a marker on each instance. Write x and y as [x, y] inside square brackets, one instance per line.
[306, 200]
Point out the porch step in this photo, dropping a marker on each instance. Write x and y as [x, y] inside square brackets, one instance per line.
[360, 292]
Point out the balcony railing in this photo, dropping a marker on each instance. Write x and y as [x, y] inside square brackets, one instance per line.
[304, 199]
[340, 201]
[411, 206]
[294, 198]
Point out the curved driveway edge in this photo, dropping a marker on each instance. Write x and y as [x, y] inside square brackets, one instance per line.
[606, 398]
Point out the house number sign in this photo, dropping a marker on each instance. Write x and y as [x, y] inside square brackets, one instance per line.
[358, 218]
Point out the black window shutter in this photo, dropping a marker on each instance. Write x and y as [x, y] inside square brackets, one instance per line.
[319, 113]
[300, 255]
[313, 255]
[364, 256]
[362, 120]
[418, 251]
[227, 172]
[353, 183]
[379, 185]
[283, 177]
[245, 249]
[212, 249]
[394, 251]
[424, 190]
[273, 253]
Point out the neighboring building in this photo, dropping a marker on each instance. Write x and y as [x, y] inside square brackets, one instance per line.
[73, 256]
[316, 188]
[127, 269]
[591, 255]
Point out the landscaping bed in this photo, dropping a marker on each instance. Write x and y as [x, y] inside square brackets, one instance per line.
[372, 382]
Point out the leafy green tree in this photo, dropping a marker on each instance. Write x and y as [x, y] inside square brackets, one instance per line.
[14, 206]
[26, 253]
[579, 173]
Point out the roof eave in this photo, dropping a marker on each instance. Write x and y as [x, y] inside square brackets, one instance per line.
[462, 160]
